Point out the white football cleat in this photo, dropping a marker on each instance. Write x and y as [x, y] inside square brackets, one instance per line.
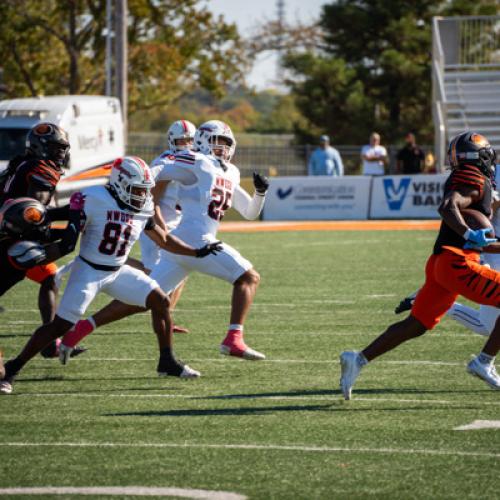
[486, 372]
[65, 353]
[5, 387]
[245, 352]
[350, 367]
[188, 372]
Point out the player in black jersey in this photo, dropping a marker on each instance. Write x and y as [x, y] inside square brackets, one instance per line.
[36, 175]
[454, 267]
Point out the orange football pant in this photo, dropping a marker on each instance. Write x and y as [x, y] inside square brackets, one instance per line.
[452, 273]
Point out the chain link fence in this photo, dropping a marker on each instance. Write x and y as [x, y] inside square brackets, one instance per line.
[276, 160]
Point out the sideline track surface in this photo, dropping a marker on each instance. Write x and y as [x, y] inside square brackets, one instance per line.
[351, 225]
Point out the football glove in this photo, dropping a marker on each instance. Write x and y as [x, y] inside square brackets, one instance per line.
[27, 254]
[261, 183]
[211, 248]
[476, 238]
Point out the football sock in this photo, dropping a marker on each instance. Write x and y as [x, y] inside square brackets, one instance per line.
[78, 332]
[362, 361]
[167, 354]
[234, 338]
[12, 367]
[486, 359]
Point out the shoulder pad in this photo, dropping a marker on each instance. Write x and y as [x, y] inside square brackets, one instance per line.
[168, 154]
[467, 175]
[188, 158]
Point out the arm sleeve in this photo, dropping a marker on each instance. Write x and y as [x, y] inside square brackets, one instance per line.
[174, 172]
[248, 207]
[58, 213]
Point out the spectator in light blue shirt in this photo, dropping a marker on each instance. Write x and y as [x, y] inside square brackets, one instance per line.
[325, 160]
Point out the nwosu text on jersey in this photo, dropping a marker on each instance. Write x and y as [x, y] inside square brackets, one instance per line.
[118, 216]
[427, 193]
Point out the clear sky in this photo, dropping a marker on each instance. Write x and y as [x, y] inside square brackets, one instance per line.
[247, 14]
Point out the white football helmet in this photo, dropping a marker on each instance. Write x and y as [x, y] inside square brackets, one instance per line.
[216, 138]
[181, 129]
[131, 181]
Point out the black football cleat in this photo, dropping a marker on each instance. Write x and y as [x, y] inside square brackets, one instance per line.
[52, 350]
[172, 368]
[406, 304]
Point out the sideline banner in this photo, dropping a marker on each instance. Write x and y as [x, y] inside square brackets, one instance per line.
[406, 196]
[318, 198]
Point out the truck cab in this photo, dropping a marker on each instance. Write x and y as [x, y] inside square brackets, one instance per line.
[94, 125]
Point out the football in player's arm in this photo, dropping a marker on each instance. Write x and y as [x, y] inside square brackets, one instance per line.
[454, 268]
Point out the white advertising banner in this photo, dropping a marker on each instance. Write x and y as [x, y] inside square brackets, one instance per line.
[318, 198]
[406, 196]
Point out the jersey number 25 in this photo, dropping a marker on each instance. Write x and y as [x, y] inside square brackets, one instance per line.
[221, 201]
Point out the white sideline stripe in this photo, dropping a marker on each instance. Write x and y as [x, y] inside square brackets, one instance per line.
[140, 491]
[479, 424]
[270, 447]
[224, 397]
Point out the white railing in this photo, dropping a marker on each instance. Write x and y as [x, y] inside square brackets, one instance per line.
[438, 96]
[472, 42]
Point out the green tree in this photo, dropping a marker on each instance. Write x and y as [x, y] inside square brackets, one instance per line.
[373, 70]
[54, 47]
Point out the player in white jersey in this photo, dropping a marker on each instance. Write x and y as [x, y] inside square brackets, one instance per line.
[180, 137]
[208, 186]
[114, 217]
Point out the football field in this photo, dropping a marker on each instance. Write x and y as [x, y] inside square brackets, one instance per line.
[272, 429]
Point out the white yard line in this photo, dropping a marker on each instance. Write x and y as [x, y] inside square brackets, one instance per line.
[269, 447]
[285, 361]
[334, 398]
[140, 491]
[479, 424]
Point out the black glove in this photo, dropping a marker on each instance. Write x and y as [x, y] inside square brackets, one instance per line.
[261, 183]
[211, 248]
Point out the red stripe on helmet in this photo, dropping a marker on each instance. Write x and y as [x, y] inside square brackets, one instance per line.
[184, 126]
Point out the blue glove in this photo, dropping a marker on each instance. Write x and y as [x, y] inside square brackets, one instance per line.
[476, 238]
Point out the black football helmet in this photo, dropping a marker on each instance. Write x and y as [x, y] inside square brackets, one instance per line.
[471, 148]
[50, 142]
[25, 218]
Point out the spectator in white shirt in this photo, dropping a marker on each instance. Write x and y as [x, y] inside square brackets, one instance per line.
[374, 156]
[325, 160]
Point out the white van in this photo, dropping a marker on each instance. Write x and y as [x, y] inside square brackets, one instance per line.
[94, 125]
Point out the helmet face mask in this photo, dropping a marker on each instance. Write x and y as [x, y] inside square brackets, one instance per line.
[216, 138]
[131, 183]
[50, 142]
[180, 136]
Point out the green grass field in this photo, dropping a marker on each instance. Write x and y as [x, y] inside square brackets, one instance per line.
[272, 429]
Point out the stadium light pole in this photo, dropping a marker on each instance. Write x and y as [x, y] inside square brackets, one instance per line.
[109, 47]
[121, 60]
